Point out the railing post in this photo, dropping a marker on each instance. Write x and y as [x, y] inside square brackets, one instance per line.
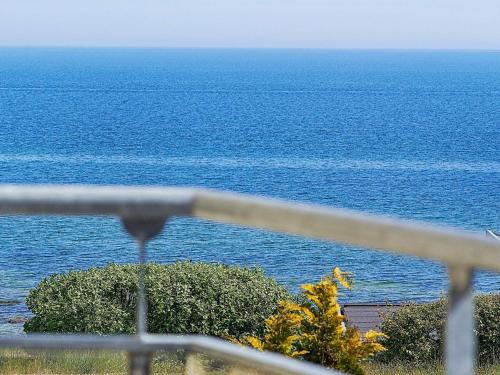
[139, 363]
[460, 339]
[142, 229]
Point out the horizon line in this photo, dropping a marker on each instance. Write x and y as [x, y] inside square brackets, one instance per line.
[440, 49]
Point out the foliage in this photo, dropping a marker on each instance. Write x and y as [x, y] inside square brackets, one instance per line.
[315, 331]
[416, 332]
[487, 318]
[183, 297]
[281, 331]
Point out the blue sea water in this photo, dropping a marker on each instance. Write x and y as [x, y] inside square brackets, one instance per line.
[412, 134]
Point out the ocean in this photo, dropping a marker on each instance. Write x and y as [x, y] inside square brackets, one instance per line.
[409, 134]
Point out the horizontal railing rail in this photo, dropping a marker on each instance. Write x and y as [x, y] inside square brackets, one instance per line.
[264, 361]
[447, 245]
[145, 209]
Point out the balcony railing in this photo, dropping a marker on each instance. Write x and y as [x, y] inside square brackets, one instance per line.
[144, 211]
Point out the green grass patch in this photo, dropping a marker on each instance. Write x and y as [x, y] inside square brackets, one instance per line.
[82, 362]
[27, 362]
[407, 369]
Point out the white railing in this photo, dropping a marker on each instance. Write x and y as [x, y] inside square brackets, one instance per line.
[144, 211]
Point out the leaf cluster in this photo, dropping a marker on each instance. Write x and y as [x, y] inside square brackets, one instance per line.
[182, 297]
[416, 332]
[314, 330]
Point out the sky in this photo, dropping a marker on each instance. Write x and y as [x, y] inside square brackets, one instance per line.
[384, 24]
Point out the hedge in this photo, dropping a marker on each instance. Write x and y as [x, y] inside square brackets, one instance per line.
[416, 332]
[183, 297]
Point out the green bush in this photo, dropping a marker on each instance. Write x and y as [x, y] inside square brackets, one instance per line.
[183, 297]
[416, 333]
[488, 327]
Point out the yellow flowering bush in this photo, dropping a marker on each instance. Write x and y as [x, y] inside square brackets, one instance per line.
[315, 329]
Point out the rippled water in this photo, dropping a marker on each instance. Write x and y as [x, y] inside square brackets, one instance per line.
[408, 134]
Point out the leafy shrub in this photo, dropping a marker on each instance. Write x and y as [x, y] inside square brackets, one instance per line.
[314, 329]
[487, 315]
[183, 297]
[416, 333]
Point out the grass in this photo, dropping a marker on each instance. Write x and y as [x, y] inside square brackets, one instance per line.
[22, 362]
[406, 369]
[81, 362]
[29, 362]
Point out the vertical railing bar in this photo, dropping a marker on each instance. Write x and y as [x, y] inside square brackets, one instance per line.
[142, 229]
[460, 338]
[140, 362]
[141, 318]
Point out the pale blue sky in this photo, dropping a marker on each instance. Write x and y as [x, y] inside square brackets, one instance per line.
[433, 24]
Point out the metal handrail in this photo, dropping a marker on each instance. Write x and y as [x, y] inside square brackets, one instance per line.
[448, 245]
[266, 361]
[493, 234]
[144, 210]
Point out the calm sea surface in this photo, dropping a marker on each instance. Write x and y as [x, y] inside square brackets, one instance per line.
[408, 134]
